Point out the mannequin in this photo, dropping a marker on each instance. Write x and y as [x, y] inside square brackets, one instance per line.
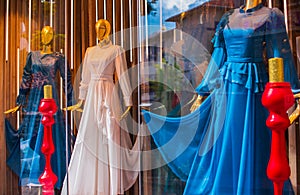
[102, 28]
[97, 152]
[41, 69]
[229, 146]
[248, 5]
[47, 38]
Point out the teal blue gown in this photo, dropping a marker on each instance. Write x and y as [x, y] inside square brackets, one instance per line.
[224, 146]
[24, 146]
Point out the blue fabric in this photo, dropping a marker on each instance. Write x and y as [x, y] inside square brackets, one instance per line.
[13, 145]
[223, 147]
[40, 70]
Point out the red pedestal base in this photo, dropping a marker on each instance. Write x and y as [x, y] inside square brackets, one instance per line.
[48, 178]
[278, 98]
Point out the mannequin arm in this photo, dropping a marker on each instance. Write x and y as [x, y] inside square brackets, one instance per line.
[197, 103]
[12, 110]
[75, 107]
[296, 112]
[125, 113]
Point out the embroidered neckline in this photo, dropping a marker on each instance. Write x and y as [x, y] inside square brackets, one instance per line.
[104, 42]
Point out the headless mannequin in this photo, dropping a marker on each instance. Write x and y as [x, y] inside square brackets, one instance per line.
[47, 35]
[102, 28]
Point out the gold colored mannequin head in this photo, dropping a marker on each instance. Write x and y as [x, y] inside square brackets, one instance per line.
[251, 4]
[102, 29]
[47, 35]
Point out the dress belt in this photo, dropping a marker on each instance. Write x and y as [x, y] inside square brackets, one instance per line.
[101, 77]
[244, 59]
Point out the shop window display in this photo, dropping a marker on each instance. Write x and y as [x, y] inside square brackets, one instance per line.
[214, 141]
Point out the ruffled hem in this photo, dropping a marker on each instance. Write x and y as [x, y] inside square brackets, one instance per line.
[251, 75]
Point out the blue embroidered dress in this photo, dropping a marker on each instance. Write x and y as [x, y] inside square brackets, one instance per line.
[40, 70]
[224, 146]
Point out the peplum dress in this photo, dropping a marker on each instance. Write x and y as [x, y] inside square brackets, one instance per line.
[103, 160]
[24, 145]
[223, 147]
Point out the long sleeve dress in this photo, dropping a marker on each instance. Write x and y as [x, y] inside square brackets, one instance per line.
[224, 146]
[102, 161]
[26, 158]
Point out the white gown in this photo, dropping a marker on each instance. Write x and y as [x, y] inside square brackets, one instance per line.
[103, 159]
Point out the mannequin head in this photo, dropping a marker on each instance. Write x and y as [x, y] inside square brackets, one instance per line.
[102, 29]
[47, 35]
[252, 3]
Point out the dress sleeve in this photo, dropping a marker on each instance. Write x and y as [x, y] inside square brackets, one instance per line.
[85, 78]
[211, 79]
[26, 81]
[278, 46]
[62, 71]
[123, 77]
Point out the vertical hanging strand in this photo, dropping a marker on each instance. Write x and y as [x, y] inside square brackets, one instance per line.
[29, 27]
[104, 8]
[66, 92]
[160, 32]
[146, 29]
[61, 80]
[114, 21]
[97, 18]
[139, 81]
[72, 35]
[140, 32]
[51, 13]
[18, 84]
[72, 54]
[6, 30]
[270, 4]
[130, 30]
[122, 24]
[286, 15]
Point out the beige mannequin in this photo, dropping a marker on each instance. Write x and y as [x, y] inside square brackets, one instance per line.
[47, 35]
[102, 28]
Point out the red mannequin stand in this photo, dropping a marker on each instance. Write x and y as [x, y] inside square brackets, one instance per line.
[48, 108]
[278, 98]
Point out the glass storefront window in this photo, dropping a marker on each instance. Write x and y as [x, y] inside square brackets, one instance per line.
[128, 91]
